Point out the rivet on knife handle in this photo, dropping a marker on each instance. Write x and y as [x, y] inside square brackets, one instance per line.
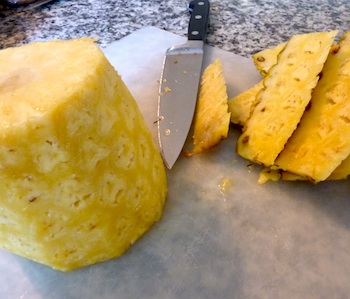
[197, 28]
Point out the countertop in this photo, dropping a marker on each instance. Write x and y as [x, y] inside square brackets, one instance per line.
[241, 27]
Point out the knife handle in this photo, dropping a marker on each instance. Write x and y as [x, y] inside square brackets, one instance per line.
[197, 28]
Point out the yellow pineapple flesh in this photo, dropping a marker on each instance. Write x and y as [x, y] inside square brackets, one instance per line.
[322, 140]
[342, 171]
[241, 105]
[287, 92]
[271, 173]
[267, 58]
[268, 174]
[212, 119]
[81, 179]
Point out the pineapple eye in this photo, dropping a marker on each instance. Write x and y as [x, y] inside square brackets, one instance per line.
[345, 119]
[335, 49]
[245, 140]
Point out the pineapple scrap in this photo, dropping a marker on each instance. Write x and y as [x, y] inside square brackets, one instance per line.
[241, 105]
[322, 140]
[212, 119]
[342, 171]
[288, 176]
[267, 174]
[81, 179]
[287, 92]
[267, 58]
[225, 185]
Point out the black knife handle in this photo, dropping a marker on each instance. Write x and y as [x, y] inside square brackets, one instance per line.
[197, 28]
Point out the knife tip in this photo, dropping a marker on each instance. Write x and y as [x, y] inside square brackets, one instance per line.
[168, 164]
[169, 160]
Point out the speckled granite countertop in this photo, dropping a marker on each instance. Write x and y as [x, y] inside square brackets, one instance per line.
[243, 27]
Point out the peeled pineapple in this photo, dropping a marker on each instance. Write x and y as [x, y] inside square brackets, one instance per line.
[322, 140]
[81, 179]
[287, 92]
[212, 119]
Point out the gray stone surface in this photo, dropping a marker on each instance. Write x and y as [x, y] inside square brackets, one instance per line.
[241, 27]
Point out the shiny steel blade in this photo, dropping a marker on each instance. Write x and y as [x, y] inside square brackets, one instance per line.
[177, 97]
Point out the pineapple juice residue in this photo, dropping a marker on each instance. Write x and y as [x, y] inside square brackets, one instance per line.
[225, 185]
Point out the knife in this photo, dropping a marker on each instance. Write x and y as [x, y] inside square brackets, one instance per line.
[179, 84]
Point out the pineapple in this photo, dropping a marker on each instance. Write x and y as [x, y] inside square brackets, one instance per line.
[342, 171]
[267, 174]
[322, 140]
[271, 173]
[288, 176]
[241, 105]
[287, 92]
[212, 119]
[81, 179]
[267, 58]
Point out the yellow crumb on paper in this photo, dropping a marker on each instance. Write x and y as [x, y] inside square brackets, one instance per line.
[268, 174]
[225, 185]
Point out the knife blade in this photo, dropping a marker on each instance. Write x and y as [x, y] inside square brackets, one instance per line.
[179, 84]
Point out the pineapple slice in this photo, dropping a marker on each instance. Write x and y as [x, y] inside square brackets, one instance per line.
[81, 179]
[212, 119]
[241, 105]
[322, 140]
[287, 91]
[269, 173]
[267, 58]
[342, 171]
[288, 176]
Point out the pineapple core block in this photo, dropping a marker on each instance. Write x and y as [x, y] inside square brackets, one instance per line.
[287, 91]
[322, 140]
[81, 179]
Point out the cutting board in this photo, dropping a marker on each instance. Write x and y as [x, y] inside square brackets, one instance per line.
[222, 235]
